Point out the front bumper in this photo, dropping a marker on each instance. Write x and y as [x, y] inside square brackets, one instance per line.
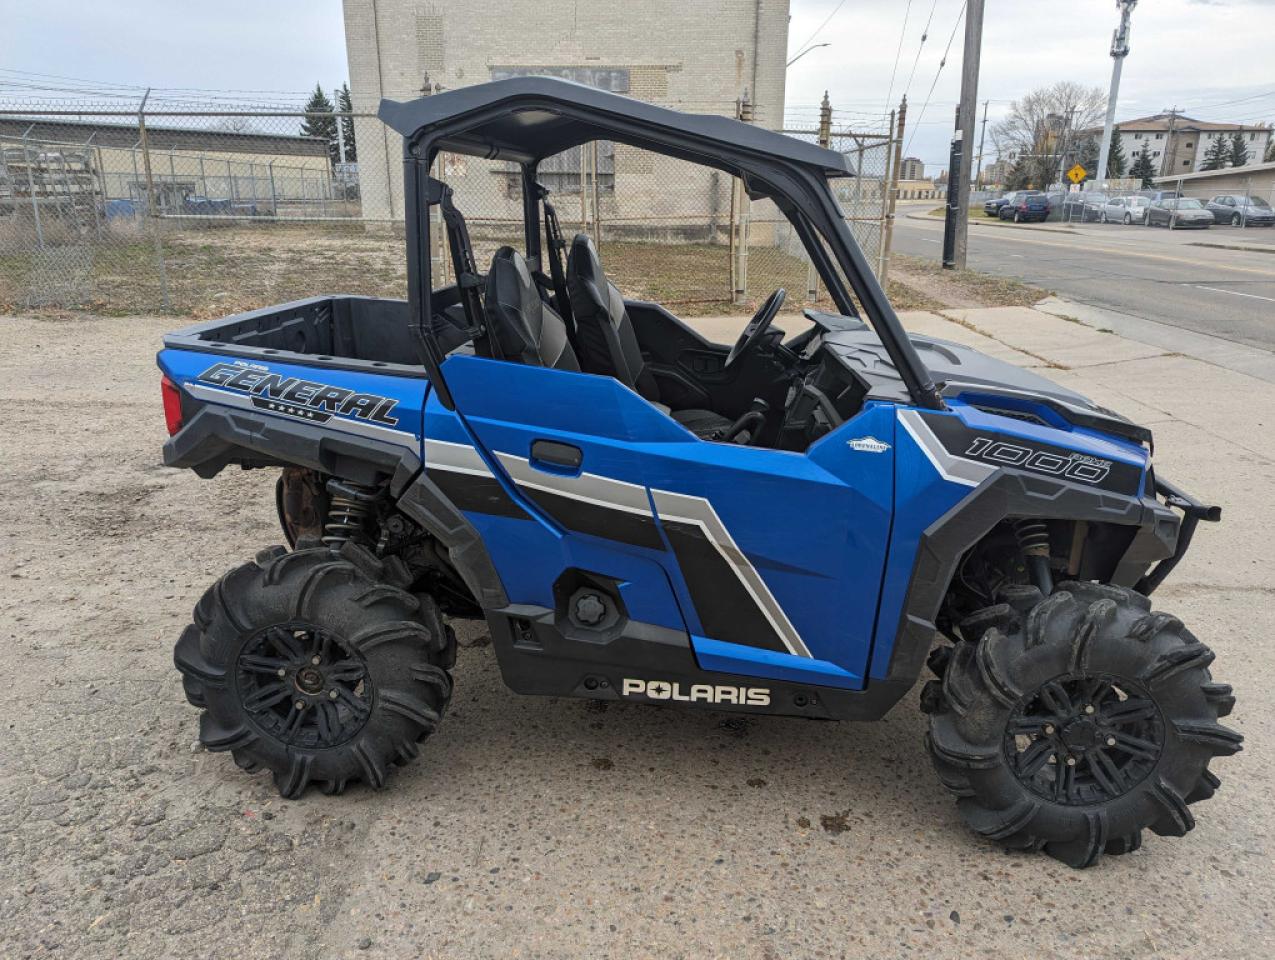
[1193, 511]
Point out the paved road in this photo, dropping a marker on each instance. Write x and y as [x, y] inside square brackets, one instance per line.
[1154, 274]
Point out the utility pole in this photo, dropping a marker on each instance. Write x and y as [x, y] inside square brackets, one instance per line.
[982, 135]
[1170, 147]
[959, 178]
[956, 217]
[1119, 50]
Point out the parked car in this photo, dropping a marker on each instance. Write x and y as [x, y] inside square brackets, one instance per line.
[1026, 206]
[1241, 211]
[1132, 209]
[1162, 194]
[1178, 212]
[1083, 206]
[992, 206]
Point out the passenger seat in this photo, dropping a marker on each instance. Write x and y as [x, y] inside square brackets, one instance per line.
[521, 327]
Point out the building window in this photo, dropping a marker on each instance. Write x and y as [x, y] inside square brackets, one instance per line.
[1159, 136]
[1155, 153]
[1186, 163]
[1190, 144]
[1137, 136]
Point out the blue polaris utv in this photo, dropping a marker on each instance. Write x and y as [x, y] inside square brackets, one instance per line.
[788, 525]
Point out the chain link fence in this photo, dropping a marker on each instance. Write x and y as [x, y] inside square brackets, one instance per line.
[206, 214]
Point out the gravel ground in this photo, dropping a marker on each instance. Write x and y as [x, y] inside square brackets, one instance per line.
[530, 827]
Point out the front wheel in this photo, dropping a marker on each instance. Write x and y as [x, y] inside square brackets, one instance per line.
[1236, 220]
[1018, 217]
[1102, 217]
[1128, 220]
[316, 668]
[1073, 723]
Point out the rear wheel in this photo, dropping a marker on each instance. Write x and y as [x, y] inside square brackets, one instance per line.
[1128, 219]
[1073, 723]
[1236, 220]
[1018, 217]
[316, 668]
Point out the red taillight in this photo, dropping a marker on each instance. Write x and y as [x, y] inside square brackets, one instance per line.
[172, 405]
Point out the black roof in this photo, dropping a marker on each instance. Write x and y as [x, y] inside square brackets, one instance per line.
[529, 118]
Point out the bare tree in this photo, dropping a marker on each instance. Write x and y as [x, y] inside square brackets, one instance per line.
[236, 124]
[1044, 123]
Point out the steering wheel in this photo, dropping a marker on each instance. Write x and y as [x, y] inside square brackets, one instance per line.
[756, 328]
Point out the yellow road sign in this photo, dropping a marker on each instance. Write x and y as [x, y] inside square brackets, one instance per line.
[1076, 173]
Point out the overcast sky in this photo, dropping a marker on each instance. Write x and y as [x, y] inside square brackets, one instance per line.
[1200, 55]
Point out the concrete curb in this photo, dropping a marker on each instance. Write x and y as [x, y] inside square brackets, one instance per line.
[1233, 246]
[1001, 225]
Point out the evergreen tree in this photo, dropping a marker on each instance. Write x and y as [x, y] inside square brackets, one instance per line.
[1087, 157]
[1018, 176]
[1117, 162]
[1239, 151]
[1216, 155]
[319, 122]
[1143, 169]
[345, 105]
[1270, 151]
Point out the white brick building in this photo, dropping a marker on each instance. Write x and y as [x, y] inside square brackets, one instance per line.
[696, 56]
[1178, 144]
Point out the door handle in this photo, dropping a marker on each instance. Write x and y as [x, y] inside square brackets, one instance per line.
[556, 456]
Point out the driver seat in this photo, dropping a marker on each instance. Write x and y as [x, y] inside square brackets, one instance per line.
[606, 341]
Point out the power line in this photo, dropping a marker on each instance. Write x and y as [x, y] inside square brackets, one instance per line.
[934, 83]
[819, 29]
[920, 46]
[902, 32]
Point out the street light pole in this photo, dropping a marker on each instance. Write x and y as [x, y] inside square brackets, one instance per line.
[1119, 50]
[806, 51]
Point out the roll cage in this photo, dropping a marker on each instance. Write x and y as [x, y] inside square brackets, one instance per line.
[526, 119]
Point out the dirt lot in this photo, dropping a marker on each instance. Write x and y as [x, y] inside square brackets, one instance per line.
[276, 263]
[540, 828]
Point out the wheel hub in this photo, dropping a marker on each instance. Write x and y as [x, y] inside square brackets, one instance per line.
[310, 680]
[303, 685]
[1082, 739]
[1080, 735]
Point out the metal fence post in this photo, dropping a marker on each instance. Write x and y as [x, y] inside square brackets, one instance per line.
[152, 210]
[892, 150]
[274, 197]
[825, 141]
[597, 206]
[35, 204]
[740, 210]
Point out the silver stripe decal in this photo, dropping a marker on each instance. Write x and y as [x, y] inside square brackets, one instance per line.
[455, 458]
[955, 469]
[699, 511]
[587, 487]
[631, 498]
[370, 430]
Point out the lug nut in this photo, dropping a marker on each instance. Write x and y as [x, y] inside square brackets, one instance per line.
[1049, 729]
[331, 694]
[1071, 761]
[1111, 741]
[1089, 708]
[300, 704]
[318, 660]
[282, 672]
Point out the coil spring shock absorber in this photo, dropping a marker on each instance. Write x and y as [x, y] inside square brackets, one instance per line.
[349, 506]
[1033, 541]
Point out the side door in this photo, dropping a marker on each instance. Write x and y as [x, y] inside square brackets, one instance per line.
[771, 560]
